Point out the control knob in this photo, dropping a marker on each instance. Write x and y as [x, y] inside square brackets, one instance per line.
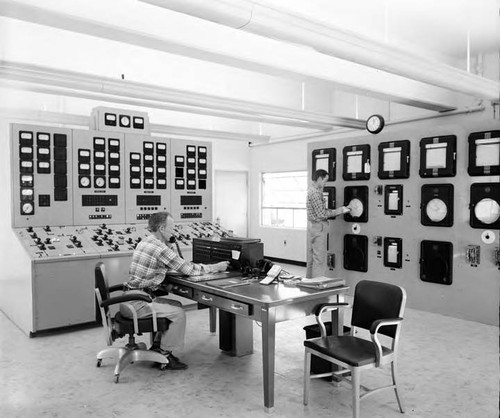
[116, 247]
[47, 241]
[42, 246]
[29, 229]
[47, 228]
[38, 241]
[103, 226]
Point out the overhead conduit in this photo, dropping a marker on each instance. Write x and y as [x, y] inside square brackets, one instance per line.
[260, 19]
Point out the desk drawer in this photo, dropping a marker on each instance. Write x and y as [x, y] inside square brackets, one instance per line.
[228, 305]
[184, 291]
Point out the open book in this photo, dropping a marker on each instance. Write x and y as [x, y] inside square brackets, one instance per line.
[321, 282]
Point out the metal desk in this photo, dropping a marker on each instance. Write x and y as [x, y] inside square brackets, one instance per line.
[267, 304]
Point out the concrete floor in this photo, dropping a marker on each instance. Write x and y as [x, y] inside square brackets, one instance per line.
[448, 368]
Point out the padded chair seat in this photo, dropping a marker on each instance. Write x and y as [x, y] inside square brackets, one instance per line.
[126, 325]
[348, 349]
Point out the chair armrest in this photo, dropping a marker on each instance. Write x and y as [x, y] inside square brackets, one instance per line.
[125, 298]
[382, 323]
[115, 288]
[326, 307]
[376, 325]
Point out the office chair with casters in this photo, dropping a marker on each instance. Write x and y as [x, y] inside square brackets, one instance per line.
[119, 326]
[378, 308]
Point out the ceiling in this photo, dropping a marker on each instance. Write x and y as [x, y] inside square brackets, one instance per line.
[292, 70]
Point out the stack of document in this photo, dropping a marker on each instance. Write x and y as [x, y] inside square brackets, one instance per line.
[321, 283]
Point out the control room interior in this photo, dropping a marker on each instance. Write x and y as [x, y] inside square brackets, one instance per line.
[261, 94]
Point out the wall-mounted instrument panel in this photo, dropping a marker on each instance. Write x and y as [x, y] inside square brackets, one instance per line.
[119, 120]
[41, 163]
[436, 207]
[357, 198]
[191, 174]
[325, 159]
[484, 153]
[485, 205]
[98, 181]
[393, 199]
[394, 160]
[433, 226]
[436, 262]
[393, 252]
[438, 156]
[147, 166]
[356, 162]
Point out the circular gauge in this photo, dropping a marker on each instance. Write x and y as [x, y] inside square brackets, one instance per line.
[357, 208]
[124, 120]
[487, 211]
[84, 182]
[436, 210]
[99, 182]
[27, 208]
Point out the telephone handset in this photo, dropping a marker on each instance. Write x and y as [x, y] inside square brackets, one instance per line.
[272, 274]
[172, 240]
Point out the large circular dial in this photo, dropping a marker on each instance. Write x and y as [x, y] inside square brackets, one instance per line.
[436, 210]
[487, 211]
[357, 208]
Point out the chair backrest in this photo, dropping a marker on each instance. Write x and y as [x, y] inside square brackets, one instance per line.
[376, 300]
[102, 294]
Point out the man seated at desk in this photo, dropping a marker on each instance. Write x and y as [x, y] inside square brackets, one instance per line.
[152, 258]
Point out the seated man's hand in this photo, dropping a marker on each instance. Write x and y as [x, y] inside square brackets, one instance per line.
[222, 266]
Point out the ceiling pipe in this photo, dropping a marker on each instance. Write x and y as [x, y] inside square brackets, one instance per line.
[69, 82]
[345, 75]
[255, 17]
[329, 134]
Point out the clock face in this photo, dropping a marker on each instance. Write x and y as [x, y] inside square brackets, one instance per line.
[487, 211]
[436, 210]
[374, 124]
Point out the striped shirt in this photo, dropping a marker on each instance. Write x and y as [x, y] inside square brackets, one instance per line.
[316, 207]
[152, 259]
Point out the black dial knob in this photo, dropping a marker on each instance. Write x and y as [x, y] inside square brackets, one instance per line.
[47, 240]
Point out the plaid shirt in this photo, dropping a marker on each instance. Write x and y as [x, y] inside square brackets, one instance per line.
[151, 261]
[316, 207]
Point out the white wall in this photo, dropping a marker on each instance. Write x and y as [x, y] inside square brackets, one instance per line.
[290, 156]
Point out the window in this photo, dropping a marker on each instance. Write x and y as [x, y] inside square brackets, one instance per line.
[284, 199]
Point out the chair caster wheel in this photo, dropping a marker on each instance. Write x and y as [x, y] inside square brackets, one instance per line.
[117, 377]
[99, 361]
[163, 366]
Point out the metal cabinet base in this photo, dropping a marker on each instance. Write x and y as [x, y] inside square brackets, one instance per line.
[235, 334]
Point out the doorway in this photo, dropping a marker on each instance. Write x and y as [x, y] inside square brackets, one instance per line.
[231, 201]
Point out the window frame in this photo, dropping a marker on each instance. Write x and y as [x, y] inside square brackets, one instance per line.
[294, 209]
